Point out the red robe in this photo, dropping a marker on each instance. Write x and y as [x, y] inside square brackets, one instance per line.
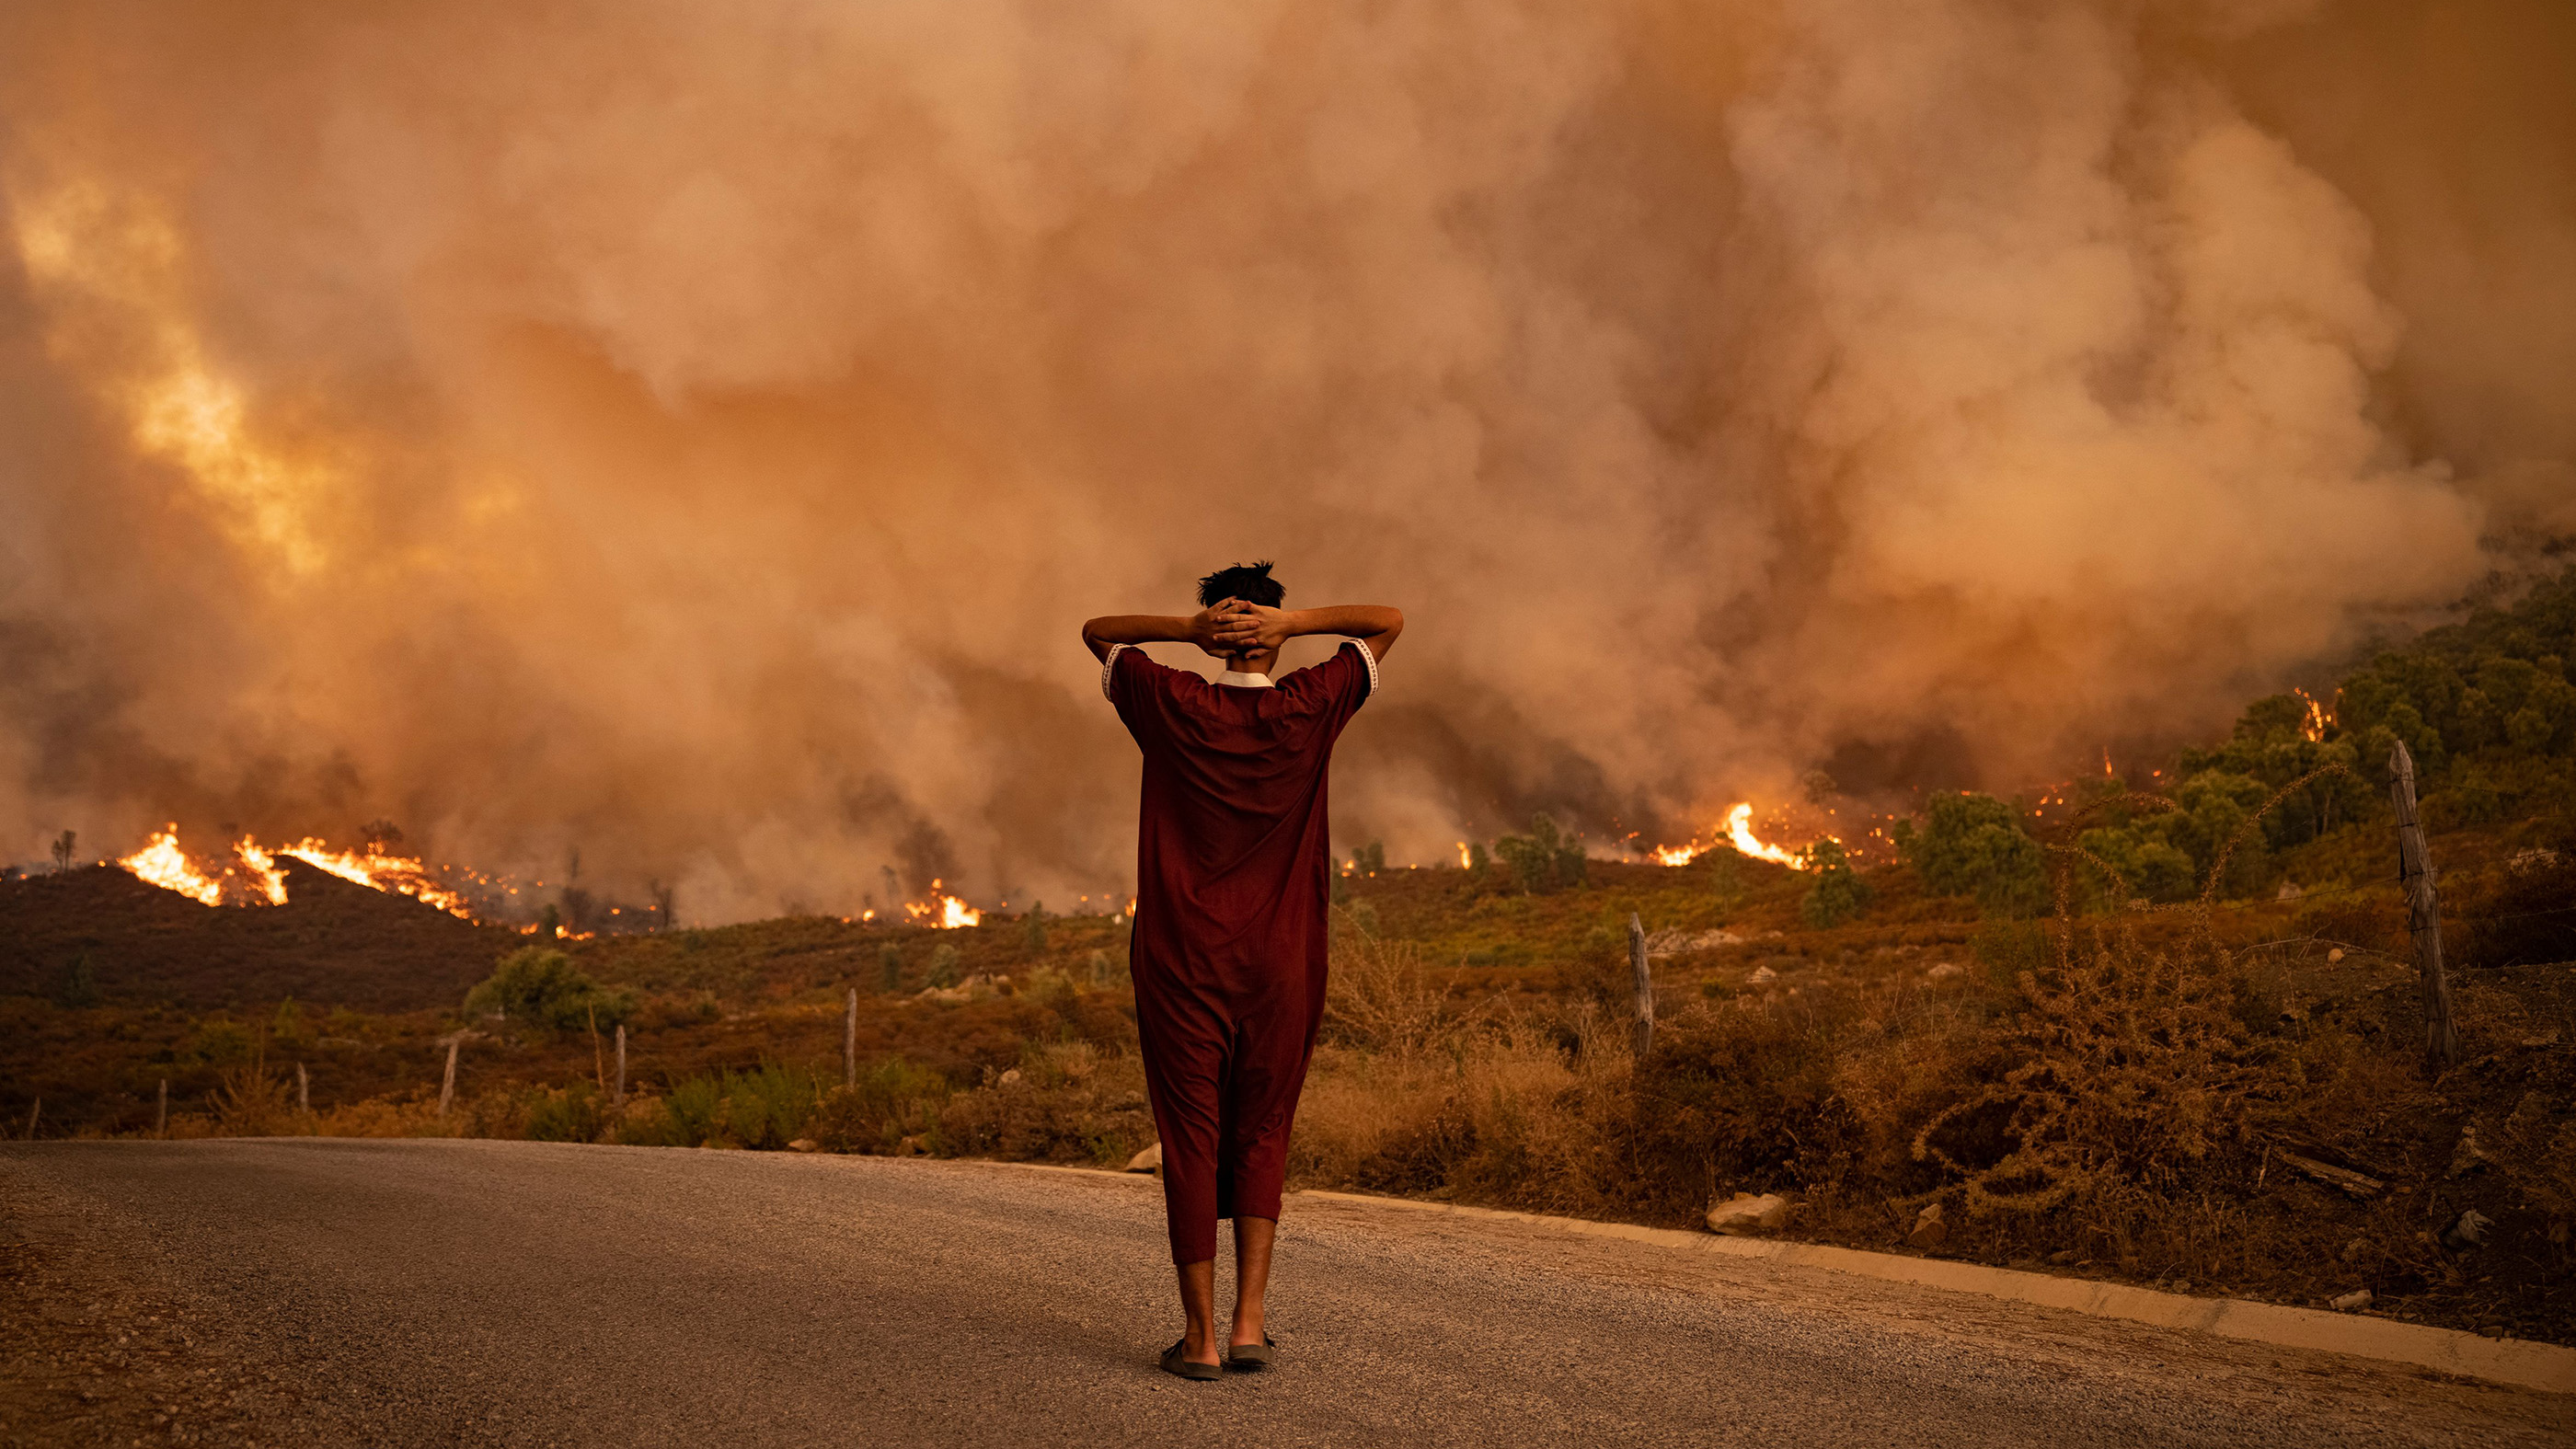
[1233, 884]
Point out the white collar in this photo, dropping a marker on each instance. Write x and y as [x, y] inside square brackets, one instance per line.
[1245, 681]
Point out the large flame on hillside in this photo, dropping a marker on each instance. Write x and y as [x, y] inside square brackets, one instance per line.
[253, 876]
[1739, 833]
[942, 911]
[164, 864]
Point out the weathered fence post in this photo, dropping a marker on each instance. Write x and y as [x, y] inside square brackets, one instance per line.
[303, 1089]
[850, 1043]
[1641, 983]
[32, 1114]
[447, 1089]
[620, 1096]
[161, 1123]
[2416, 876]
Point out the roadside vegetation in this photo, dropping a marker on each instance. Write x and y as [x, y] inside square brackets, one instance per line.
[2171, 1035]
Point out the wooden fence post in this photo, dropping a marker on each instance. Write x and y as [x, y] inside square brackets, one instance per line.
[620, 1097]
[161, 1123]
[2416, 876]
[850, 1043]
[303, 1090]
[447, 1089]
[1641, 984]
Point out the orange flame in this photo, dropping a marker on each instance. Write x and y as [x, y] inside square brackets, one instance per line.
[263, 866]
[1739, 833]
[396, 874]
[2313, 728]
[164, 864]
[1739, 830]
[259, 879]
[943, 912]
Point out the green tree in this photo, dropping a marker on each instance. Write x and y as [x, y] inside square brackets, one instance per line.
[1033, 936]
[943, 966]
[1369, 859]
[890, 967]
[540, 985]
[80, 984]
[1546, 860]
[1839, 893]
[1973, 844]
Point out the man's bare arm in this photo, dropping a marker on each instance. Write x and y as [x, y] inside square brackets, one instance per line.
[1199, 629]
[1251, 626]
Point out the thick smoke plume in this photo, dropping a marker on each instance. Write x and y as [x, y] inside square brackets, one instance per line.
[692, 433]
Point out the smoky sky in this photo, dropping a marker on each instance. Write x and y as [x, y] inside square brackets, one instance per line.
[692, 434]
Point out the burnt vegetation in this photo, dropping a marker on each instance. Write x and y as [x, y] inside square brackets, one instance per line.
[2170, 1035]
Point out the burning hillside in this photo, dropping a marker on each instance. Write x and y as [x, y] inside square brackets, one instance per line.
[252, 874]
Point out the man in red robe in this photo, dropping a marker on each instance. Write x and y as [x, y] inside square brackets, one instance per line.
[1233, 883]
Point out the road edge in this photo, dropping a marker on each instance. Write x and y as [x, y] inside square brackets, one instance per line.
[2514, 1361]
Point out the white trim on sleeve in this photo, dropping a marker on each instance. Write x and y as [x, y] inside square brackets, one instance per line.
[1368, 656]
[1108, 662]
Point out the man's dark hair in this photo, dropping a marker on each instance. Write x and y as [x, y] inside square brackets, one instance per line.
[1251, 583]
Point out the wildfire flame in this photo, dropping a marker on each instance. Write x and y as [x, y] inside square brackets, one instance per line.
[397, 874]
[2313, 728]
[263, 865]
[261, 880]
[1739, 830]
[1739, 833]
[942, 911]
[164, 864]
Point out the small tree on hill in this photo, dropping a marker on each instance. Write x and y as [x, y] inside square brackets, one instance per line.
[890, 967]
[1974, 845]
[541, 985]
[64, 845]
[1546, 860]
[943, 967]
[1839, 893]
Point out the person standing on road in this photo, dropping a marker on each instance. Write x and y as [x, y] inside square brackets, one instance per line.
[1233, 885]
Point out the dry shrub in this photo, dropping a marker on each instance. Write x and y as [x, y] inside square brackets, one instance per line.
[1066, 1102]
[1413, 1093]
[2132, 1069]
[252, 1101]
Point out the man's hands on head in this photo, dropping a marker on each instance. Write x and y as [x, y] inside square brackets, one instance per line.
[1232, 629]
[1218, 630]
[1250, 628]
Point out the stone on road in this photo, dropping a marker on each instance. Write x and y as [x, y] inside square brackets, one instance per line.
[437, 1292]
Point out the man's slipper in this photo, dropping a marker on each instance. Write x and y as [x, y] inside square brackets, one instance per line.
[1175, 1363]
[1251, 1357]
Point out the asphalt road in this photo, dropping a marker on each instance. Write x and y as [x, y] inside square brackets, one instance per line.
[399, 1293]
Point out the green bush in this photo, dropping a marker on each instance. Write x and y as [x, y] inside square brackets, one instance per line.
[890, 967]
[943, 966]
[894, 1099]
[1546, 860]
[539, 984]
[1974, 845]
[571, 1114]
[1839, 893]
[763, 1109]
